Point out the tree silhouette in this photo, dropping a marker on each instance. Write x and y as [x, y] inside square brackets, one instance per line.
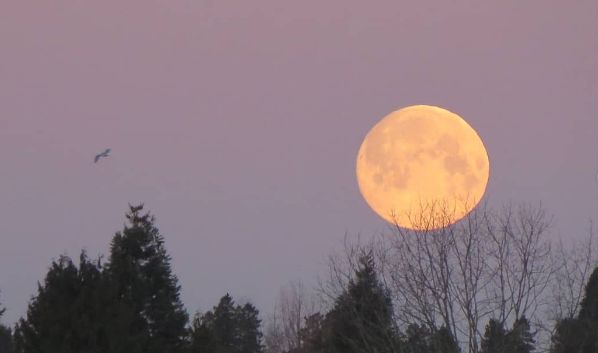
[444, 342]
[520, 339]
[569, 337]
[361, 320]
[227, 328]
[495, 337]
[249, 335]
[147, 292]
[6, 344]
[201, 337]
[311, 335]
[580, 335]
[66, 315]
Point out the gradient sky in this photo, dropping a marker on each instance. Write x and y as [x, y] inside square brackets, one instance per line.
[238, 123]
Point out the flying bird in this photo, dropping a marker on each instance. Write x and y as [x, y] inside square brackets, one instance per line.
[106, 153]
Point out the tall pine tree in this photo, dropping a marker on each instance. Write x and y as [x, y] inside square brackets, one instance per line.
[224, 325]
[249, 335]
[148, 311]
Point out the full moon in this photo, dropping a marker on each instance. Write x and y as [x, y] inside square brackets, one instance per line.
[422, 167]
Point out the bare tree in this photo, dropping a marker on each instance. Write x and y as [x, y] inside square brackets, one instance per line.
[573, 265]
[521, 264]
[294, 304]
[341, 267]
[440, 273]
[274, 341]
[458, 275]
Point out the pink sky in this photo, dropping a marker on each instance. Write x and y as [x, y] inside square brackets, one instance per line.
[238, 123]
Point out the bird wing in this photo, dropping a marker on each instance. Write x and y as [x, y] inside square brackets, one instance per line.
[97, 157]
[107, 151]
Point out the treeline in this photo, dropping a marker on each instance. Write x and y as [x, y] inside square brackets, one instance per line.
[131, 303]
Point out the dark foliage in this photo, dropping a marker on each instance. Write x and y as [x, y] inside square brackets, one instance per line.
[569, 336]
[361, 320]
[6, 344]
[311, 335]
[517, 340]
[67, 315]
[419, 339]
[495, 338]
[580, 334]
[228, 328]
[443, 342]
[130, 306]
[149, 313]
[520, 339]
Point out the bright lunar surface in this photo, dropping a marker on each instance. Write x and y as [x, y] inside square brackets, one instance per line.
[421, 163]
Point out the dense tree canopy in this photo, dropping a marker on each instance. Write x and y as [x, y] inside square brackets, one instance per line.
[228, 328]
[67, 314]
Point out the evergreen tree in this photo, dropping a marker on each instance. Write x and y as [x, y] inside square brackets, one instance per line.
[417, 339]
[67, 314]
[202, 338]
[6, 345]
[588, 314]
[589, 305]
[228, 328]
[223, 324]
[148, 310]
[517, 340]
[569, 337]
[495, 338]
[443, 342]
[361, 320]
[520, 339]
[580, 334]
[249, 335]
[420, 339]
[311, 335]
